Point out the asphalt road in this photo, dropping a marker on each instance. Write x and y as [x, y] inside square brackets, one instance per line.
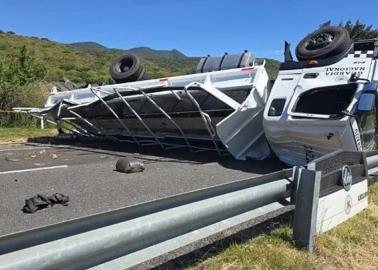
[88, 177]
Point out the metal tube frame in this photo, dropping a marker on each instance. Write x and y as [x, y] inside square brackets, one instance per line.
[116, 116]
[139, 118]
[205, 117]
[156, 140]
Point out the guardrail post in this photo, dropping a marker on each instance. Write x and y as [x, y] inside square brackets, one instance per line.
[306, 196]
[42, 123]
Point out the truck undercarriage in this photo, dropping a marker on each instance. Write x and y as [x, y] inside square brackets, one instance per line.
[229, 105]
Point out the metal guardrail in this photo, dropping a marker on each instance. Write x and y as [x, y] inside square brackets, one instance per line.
[372, 161]
[98, 239]
[127, 237]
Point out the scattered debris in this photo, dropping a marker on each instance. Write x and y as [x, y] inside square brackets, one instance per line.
[39, 164]
[39, 201]
[8, 157]
[54, 156]
[129, 165]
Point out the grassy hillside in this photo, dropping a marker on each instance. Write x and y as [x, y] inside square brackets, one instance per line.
[84, 62]
[89, 61]
[159, 63]
[60, 60]
[172, 61]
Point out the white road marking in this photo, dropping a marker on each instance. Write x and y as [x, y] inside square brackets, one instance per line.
[20, 149]
[35, 169]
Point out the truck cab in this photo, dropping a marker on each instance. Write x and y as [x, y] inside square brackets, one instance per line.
[320, 105]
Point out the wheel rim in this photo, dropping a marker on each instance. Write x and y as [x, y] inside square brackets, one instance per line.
[124, 65]
[319, 41]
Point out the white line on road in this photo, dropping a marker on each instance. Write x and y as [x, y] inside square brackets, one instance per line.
[35, 169]
[21, 149]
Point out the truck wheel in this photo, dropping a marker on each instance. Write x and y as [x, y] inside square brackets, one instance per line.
[127, 68]
[324, 43]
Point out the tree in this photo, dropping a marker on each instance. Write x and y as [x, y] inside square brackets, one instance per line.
[357, 30]
[25, 69]
[19, 78]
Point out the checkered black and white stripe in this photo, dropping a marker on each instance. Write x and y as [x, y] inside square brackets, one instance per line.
[361, 54]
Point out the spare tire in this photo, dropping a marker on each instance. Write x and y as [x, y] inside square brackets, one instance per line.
[326, 42]
[127, 68]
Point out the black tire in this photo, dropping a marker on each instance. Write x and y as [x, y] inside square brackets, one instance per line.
[324, 43]
[127, 68]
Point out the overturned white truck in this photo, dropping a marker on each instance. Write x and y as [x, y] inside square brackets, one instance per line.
[220, 107]
[326, 101]
[323, 102]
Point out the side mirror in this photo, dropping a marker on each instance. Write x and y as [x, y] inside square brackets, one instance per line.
[370, 87]
[366, 102]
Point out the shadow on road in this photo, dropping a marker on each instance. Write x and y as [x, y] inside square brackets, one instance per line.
[150, 154]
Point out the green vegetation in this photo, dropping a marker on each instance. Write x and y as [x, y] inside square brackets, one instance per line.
[15, 119]
[20, 75]
[19, 127]
[351, 245]
[21, 135]
[59, 60]
[357, 30]
[161, 63]
[29, 66]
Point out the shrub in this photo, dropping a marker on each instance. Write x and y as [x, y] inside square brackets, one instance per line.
[19, 77]
[13, 119]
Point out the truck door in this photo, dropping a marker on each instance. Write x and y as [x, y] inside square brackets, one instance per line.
[366, 118]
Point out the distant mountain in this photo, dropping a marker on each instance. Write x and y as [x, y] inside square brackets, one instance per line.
[144, 52]
[89, 47]
[149, 53]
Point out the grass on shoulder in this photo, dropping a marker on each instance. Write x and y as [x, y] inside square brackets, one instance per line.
[21, 135]
[351, 245]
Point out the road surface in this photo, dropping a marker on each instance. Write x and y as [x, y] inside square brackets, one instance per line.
[86, 174]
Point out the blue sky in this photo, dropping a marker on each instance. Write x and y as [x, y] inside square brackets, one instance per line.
[195, 27]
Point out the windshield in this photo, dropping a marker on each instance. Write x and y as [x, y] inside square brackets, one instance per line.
[330, 100]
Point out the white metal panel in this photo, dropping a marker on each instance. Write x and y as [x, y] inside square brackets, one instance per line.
[340, 206]
[297, 138]
[224, 79]
[242, 132]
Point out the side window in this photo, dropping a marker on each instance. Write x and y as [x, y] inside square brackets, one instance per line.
[367, 122]
[330, 100]
[276, 107]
